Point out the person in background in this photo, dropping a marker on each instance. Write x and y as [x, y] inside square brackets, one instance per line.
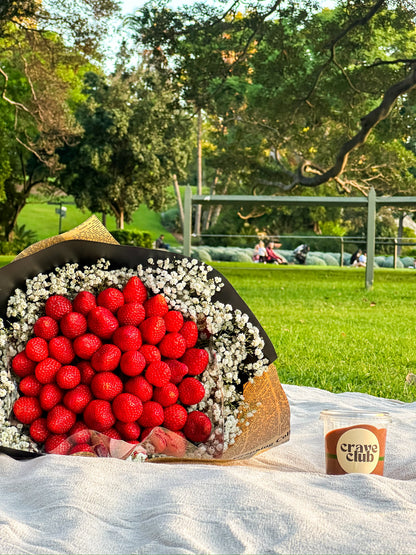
[272, 257]
[259, 253]
[160, 243]
[354, 258]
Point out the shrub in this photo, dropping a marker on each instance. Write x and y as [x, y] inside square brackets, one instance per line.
[171, 220]
[133, 237]
[312, 260]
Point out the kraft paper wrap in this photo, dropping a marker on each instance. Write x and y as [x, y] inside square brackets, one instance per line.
[270, 425]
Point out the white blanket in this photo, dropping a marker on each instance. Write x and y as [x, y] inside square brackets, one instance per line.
[281, 501]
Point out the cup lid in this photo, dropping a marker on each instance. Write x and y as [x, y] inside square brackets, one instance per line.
[355, 414]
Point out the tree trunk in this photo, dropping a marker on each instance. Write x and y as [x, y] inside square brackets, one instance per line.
[400, 232]
[104, 219]
[197, 227]
[206, 220]
[179, 199]
[121, 220]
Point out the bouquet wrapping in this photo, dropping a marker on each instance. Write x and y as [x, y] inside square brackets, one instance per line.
[168, 363]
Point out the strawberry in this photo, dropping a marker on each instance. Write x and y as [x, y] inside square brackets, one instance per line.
[128, 430]
[56, 306]
[102, 322]
[60, 348]
[106, 358]
[46, 370]
[27, 409]
[135, 291]
[189, 331]
[177, 370]
[38, 430]
[57, 444]
[112, 433]
[151, 353]
[46, 327]
[99, 416]
[140, 387]
[84, 302]
[197, 427]
[60, 419]
[78, 398]
[175, 444]
[79, 433]
[166, 395]
[81, 448]
[152, 329]
[87, 372]
[173, 345]
[50, 396]
[173, 320]
[156, 306]
[156, 441]
[196, 360]
[131, 314]
[37, 349]
[86, 345]
[30, 386]
[175, 417]
[22, 365]
[132, 363]
[68, 377]
[106, 385]
[73, 324]
[191, 391]
[127, 407]
[127, 338]
[158, 373]
[111, 298]
[152, 415]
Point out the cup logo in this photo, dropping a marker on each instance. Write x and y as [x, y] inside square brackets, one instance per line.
[358, 450]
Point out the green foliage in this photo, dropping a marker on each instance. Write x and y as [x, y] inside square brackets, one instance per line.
[133, 237]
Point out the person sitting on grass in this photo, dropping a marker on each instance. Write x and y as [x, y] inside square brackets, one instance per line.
[272, 257]
[160, 243]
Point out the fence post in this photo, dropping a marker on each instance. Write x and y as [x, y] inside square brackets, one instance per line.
[395, 253]
[341, 259]
[371, 238]
[187, 223]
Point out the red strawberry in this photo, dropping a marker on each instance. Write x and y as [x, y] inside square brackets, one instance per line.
[158, 373]
[99, 416]
[22, 365]
[68, 377]
[177, 370]
[60, 348]
[30, 386]
[197, 427]
[102, 322]
[196, 360]
[127, 407]
[140, 387]
[73, 324]
[27, 409]
[46, 370]
[87, 372]
[175, 417]
[57, 444]
[191, 391]
[132, 363]
[152, 415]
[78, 398]
[56, 306]
[166, 395]
[128, 430]
[106, 358]
[84, 302]
[86, 345]
[50, 396]
[106, 385]
[127, 338]
[152, 329]
[37, 349]
[156, 306]
[79, 433]
[131, 314]
[173, 345]
[111, 298]
[46, 327]
[135, 291]
[38, 430]
[173, 320]
[189, 331]
[81, 448]
[60, 419]
[151, 353]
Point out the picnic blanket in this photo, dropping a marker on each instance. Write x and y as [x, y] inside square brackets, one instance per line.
[280, 501]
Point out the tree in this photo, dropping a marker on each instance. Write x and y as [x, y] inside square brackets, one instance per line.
[134, 140]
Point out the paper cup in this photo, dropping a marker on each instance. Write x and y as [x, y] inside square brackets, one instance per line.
[355, 441]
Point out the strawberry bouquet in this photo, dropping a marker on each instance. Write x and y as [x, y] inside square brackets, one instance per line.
[119, 351]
